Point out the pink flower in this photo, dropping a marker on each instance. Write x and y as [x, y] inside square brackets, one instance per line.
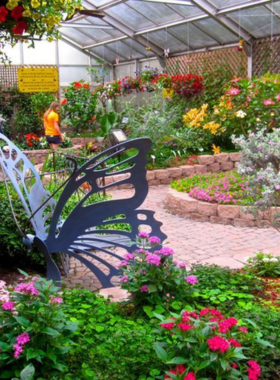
[217, 343]
[236, 80]
[2, 284]
[227, 324]
[122, 263]
[234, 365]
[167, 326]
[124, 279]
[18, 350]
[233, 91]
[144, 288]
[23, 339]
[8, 305]
[153, 259]
[185, 326]
[27, 288]
[55, 299]
[179, 370]
[154, 240]
[278, 97]
[187, 314]
[191, 280]
[143, 235]
[243, 329]
[129, 256]
[254, 370]
[165, 251]
[268, 102]
[234, 343]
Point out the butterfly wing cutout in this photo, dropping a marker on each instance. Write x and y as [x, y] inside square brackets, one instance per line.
[85, 228]
[27, 184]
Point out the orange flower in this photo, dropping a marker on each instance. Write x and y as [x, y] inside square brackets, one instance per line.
[64, 101]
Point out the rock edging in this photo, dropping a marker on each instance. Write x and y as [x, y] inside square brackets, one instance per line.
[183, 205]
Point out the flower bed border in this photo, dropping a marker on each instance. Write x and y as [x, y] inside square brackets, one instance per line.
[183, 205]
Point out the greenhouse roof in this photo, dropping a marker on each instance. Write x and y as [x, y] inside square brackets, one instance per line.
[141, 29]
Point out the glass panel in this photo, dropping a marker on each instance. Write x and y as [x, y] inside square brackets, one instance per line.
[186, 11]
[76, 36]
[68, 54]
[139, 48]
[257, 21]
[158, 13]
[129, 17]
[97, 3]
[227, 3]
[192, 36]
[124, 51]
[96, 34]
[216, 30]
[167, 41]
[13, 53]
[104, 53]
[72, 74]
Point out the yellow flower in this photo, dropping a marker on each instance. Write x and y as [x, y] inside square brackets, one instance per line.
[258, 119]
[213, 127]
[26, 13]
[11, 4]
[216, 149]
[167, 93]
[272, 114]
[216, 111]
[35, 3]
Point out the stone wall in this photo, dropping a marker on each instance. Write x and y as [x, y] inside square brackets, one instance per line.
[183, 205]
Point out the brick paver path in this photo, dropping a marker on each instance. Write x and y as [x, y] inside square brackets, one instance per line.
[195, 242]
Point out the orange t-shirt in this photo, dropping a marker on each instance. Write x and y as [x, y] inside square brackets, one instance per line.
[49, 124]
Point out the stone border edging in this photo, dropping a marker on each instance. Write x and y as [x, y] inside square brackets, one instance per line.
[183, 205]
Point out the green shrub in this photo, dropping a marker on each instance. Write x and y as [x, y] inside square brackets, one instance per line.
[264, 265]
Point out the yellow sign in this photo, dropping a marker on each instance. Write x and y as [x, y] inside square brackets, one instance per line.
[37, 79]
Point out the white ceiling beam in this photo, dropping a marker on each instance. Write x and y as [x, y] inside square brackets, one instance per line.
[110, 4]
[211, 11]
[238, 7]
[179, 2]
[105, 42]
[87, 26]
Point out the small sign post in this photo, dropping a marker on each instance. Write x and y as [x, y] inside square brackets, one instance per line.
[38, 79]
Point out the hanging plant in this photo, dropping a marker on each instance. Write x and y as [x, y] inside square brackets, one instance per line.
[30, 20]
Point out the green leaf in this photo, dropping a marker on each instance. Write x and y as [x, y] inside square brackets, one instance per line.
[176, 305]
[50, 331]
[27, 373]
[178, 360]
[23, 273]
[22, 321]
[224, 364]
[31, 354]
[148, 311]
[99, 328]
[152, 288]
[60, 366]
[265, 343]
[204, 364]
[160, 351]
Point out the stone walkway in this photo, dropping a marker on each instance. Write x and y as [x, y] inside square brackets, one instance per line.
[194, 242]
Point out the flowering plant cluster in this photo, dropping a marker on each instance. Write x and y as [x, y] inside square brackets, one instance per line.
[79, 107]
[246, 105]
[187, 85]
[260, 163]
[206, 345]
[36, 18]
[127, 84]
[34, 329]
[147, 74]
[153, 276]
[265, 265]
[223, 188]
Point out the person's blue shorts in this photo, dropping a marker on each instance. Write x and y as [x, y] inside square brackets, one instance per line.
[53, 139]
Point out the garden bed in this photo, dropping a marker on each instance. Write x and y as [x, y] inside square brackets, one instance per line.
[187, 207]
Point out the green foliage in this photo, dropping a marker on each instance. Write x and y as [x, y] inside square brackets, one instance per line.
[265, 265]
[46, 330]
[110, 344]
[107, 122]
[225, 288]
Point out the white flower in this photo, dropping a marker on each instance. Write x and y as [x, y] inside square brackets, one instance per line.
[274, 259]
[266, 259]
[240, 114]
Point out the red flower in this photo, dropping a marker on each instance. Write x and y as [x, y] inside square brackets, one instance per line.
[185, 326]
[77, 84]
[86, 86]
[17, 12]
[217, 343]
[167, 326]
[243, 329]
[29, 143]
[254, 370]
[3, 14]
[233, 342]
[64, 101]
[20, 27]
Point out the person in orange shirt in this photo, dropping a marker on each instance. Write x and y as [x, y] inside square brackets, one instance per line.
[52, 126]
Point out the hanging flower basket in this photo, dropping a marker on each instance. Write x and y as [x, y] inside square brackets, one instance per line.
[30, 20]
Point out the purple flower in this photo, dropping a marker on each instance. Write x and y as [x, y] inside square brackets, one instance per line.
[154, 240]
[153, 259]
[23, 339]
[129, 256]
[18, 350]
[143, 235]
[144, 288]
[8, 305]
[165, 251]
[27, 288]
[124, 279]
[122, 263]
[191, 280]
[55, 299]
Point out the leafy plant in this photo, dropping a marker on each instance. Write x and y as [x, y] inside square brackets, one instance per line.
[205, 345]
[153, 277]
[265, 265]
[34, 329]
